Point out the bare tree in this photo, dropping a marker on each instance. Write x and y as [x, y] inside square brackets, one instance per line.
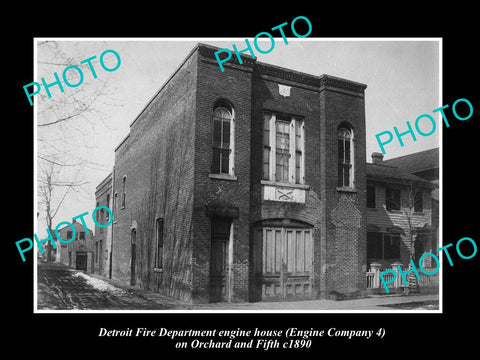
[66, 124]
[50, 197]
[414, 221]
[408, 206]
[66, 121]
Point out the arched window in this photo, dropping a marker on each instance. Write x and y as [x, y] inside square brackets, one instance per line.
[124, 182]
[223, 139]
[107, 217]
[345, 157]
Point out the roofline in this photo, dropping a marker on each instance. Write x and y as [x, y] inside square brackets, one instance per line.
[101, 183]
[397, 181]
[262, 68]
[414, 154]
[387, 179]
[427, 168]
[75, 221]
[320, 81]
[167, 81]
[159, 90]
[121, 142]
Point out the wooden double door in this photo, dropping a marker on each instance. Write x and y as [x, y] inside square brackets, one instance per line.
[284, 262]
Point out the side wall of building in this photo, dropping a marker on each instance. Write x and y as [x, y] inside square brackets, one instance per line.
[155, 164]
[103, 235]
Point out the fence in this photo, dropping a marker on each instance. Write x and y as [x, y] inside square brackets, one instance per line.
[427, 283]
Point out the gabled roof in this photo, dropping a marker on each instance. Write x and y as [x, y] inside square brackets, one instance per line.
[76, 224]
[420, 161]
[393, 174]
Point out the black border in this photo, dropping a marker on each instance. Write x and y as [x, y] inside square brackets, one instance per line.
[410, 334]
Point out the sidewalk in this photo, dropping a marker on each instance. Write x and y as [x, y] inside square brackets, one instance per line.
[169, 302]
[373, 302]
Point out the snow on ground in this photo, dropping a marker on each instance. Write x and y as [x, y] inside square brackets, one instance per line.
[99, 284]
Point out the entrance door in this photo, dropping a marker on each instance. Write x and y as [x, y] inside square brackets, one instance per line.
[134, 255]
[81, 261]
[286, 263]
[219, 260]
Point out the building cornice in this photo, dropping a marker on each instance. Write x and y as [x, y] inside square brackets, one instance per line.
[286, 74]
[328, 81]
[208, 51]
[322, 82]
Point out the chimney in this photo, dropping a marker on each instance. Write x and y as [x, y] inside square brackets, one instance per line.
[377, 158]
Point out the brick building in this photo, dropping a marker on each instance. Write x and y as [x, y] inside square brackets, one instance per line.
[246, 185]
[103, 235]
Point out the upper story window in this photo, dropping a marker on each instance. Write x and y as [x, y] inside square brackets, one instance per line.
[345, 157]
[124, 183]
[283, 149]
[97, 215]
[392, 199]
[115, 201]
[418, 202]
[82, 235]
[223, 139]
[107, 217]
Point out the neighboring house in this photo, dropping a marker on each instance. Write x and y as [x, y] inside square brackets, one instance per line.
[402, 218]
[103, 235]
[245, 185]
[399, 214]
[78, 253]
[424, 164]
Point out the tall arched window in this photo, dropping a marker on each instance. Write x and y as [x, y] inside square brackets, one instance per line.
[223, 139]
[345, 157]
[124, 182]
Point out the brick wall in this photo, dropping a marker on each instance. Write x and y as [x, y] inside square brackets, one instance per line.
[303, 102]
[103, 236]
[158, 161]
[344, 238]
[234, 86]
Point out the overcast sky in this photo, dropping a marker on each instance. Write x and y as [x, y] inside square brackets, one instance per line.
[402, 78]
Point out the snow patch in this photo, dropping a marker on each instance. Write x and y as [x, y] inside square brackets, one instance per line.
[99, 284]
